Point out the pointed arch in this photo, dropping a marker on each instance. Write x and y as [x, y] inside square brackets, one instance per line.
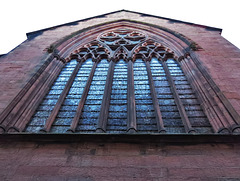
[124, 40]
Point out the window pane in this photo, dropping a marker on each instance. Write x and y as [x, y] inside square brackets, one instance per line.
[117, 119]
[146, 121]
[70, 104]
[49, 101]
[171, 117]
[89, 117]
[192, 106]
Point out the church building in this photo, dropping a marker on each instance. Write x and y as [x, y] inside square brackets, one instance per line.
[121, 96]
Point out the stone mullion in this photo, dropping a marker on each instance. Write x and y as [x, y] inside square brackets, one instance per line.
[83, 99]
[61, 99]
[33, 98]
[205, 102]
[181, 109]
[157, 110]
[209, 106]
[131, 104]
[104, 112]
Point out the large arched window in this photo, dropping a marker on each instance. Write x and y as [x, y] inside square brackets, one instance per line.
[121, 82]
[121, 77]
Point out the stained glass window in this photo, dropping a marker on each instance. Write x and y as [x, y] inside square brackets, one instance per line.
[121, 81]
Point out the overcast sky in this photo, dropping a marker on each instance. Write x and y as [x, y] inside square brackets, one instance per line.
[18, 17]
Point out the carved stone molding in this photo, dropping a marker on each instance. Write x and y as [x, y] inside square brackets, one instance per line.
[116, 41]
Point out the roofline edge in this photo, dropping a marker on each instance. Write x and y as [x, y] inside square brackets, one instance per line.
[33, 33]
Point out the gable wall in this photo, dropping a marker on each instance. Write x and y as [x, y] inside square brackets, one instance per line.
[120, 161]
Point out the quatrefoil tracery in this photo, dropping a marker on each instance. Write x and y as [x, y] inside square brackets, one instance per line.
[123, 44]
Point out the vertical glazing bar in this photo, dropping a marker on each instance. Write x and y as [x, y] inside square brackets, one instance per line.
[28, 112]
[158, 114]
[83, 99]
[177, 99]
[208, 103]
[131, 105]
[60, 101]
[103, 116]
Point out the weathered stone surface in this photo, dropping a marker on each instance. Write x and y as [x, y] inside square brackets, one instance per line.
[118, 161]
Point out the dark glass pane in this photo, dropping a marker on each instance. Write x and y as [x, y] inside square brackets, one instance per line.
[170, 115]
[91, 109]
[69, 106]
[146, 121]
[192, 106]
[45, 108]
[117, 119]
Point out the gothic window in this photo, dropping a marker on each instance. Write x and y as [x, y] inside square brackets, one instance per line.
[121, 82]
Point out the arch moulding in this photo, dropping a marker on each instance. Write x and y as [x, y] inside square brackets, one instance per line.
[221, 114]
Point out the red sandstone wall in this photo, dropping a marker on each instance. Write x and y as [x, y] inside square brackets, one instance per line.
[119, 161]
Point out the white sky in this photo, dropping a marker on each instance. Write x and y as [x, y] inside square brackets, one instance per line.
[18, 17]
